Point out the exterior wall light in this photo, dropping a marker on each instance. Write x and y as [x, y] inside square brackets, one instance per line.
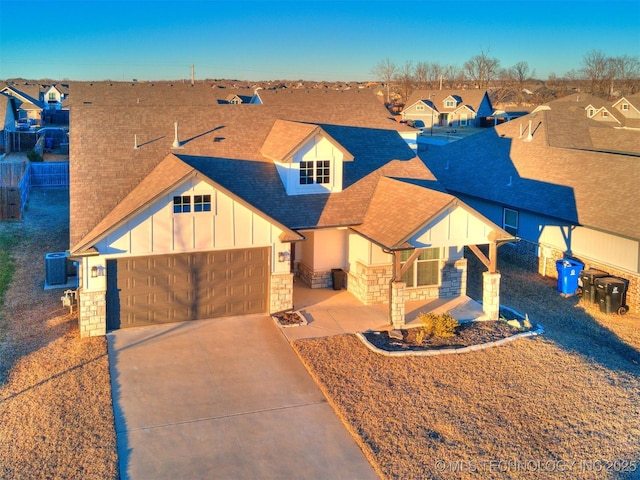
[283, 256]
[94, 272]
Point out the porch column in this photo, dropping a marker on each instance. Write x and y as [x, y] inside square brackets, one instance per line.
[396, 304]
[491, 295]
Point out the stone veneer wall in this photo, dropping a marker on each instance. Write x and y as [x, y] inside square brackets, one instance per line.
[92, 313]
[370, 284]
[314, 279]
[281, 292]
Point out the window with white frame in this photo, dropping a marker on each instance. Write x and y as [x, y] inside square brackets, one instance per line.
[510, 221]
[183, 204]
[202, 203]
[425, 270]
[449, 103]
[420, 108]
[315, 171]
[625, 106]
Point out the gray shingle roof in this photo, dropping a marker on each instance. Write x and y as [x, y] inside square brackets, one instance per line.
[224, 143]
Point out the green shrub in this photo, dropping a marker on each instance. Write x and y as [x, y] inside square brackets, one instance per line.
[439, 325]
[34, 156]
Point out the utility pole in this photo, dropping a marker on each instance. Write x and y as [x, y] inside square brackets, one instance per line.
[193, 79]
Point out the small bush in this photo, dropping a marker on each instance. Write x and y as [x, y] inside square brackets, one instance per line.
[442, 325]
[34, 156]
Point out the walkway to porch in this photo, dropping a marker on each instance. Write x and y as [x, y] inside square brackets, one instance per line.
[333, 312]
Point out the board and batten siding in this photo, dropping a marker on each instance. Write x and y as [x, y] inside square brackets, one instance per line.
[453, 227]
[157, 230]
[602, 247]
[318, 148]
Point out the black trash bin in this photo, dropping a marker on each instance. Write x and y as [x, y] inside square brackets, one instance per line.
[611, 293]
[588, 278]
[337, 276]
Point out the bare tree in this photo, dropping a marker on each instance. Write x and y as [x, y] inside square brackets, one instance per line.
[404, 78]
[626, 69]
[481, 69]
[596, 69]
[421, 74]
[385, 71]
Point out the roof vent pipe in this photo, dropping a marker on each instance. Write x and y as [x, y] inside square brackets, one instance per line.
[520, 130]
[176, 142]
[530, 136]
[510, 184]
[135, 142]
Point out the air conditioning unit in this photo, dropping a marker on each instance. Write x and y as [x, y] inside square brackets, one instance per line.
[56, 268]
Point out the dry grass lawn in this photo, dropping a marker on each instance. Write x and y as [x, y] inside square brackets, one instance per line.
[56, 418]
[562, 405]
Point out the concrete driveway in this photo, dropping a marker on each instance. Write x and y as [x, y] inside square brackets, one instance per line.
[223, 399]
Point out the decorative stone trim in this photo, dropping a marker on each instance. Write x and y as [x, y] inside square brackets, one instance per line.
[491, 295]
[92, 313]
[281, 292]
[397, 304]
[314, 279]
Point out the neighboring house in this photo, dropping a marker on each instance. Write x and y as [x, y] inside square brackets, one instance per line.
[54, 95]
[8, 115]
[214, 214]
[563, 179]
[27, 106]
[448, 108]
[235, 99]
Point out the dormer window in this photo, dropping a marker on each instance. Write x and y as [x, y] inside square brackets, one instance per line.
[419, 107]
[591, 112]
[318, 171]
[449, 103]
[625, 106]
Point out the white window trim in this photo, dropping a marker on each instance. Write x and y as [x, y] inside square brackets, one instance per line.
[414, 270]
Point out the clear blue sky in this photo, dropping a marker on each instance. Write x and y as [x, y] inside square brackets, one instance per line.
[311, 40]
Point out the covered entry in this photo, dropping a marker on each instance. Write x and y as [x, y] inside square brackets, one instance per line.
[192, 286]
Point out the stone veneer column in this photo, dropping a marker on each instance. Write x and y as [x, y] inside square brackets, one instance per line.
[396, 304]
[491, 295]
[92, 314]
[281, 293]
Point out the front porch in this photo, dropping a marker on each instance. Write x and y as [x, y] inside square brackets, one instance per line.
[334, 312]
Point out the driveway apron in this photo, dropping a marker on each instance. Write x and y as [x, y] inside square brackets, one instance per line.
[223, 399]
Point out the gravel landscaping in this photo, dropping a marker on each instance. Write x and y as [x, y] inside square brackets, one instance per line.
[565, 404]
[56, 418]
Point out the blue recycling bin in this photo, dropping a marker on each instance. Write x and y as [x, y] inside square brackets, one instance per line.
[568, 275]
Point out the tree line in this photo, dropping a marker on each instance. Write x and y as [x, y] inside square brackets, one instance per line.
[599, 74]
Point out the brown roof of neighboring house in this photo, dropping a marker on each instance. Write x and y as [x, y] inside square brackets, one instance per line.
[316, 96]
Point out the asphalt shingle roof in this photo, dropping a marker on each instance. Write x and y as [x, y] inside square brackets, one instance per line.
[224, 143]
[560, 173]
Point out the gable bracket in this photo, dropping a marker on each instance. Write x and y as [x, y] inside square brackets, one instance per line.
[401, 270]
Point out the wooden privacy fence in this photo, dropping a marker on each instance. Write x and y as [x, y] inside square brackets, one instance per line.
[16, 180]
[14, 190]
